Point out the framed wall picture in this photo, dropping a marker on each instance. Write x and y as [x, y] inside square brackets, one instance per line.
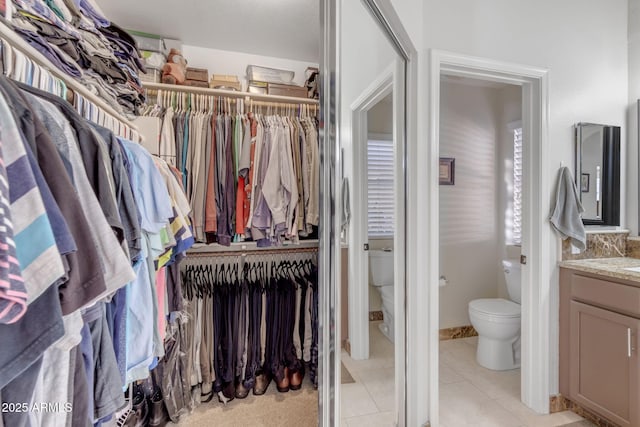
[447, 170]
[584, 183]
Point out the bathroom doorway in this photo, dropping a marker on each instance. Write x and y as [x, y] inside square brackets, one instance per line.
[480, 207]
[538, 354]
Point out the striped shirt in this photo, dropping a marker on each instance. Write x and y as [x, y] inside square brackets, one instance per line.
[13, 294]
[36, 249]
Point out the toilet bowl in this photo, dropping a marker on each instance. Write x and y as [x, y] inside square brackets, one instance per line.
[381, 265]
[497, 322]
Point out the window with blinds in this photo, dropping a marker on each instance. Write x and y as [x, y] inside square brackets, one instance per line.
[380, 187]
[517, 187]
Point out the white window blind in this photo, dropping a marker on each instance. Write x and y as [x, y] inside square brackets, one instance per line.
[517, 187]
[380, 187]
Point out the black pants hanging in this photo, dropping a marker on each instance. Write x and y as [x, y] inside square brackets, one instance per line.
[254, 342]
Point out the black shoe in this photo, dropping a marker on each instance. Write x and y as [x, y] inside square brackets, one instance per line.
[141, 408]
[158, 416]
[228, 393]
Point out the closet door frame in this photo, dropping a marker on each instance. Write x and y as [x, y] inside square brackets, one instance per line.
[385, 15]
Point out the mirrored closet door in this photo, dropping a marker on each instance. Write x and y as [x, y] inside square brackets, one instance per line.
[363, 203]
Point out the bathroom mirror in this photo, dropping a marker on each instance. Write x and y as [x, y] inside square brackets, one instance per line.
[598, 172]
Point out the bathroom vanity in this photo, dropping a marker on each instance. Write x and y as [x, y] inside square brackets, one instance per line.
[599, 333]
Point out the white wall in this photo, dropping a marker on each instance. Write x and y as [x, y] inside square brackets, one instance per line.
[469, 236]
[588, 69]
[235, 63]
[380, 118]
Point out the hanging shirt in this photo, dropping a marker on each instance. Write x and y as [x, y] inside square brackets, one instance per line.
[116, 268]
[36, 248]
[167, 149]
[155, 209]
[24, 341]
[211, 214]
[13, 294]
[84, 280]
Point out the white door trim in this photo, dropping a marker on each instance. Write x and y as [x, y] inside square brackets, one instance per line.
[358, 258]
[539, 353]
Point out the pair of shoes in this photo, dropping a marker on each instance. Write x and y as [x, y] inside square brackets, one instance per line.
[295, 379]
[241, 391]
[158, 415]
[283, 384]
[262, 383]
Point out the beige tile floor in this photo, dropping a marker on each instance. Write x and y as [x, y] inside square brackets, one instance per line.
[470, 395]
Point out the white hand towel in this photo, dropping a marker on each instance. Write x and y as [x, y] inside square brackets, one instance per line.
[567, 213]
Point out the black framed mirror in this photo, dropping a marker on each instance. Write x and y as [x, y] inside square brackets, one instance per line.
[598, 172]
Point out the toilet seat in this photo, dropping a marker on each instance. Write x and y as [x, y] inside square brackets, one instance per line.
[495, 307]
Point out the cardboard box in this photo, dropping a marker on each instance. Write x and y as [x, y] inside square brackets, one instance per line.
[198, 74]
[287, 90]
[224, 81]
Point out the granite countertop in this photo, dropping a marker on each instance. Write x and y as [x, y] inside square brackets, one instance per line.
[611, 267]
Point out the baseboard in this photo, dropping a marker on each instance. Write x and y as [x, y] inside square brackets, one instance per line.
[375, 316]
[346, 344]
[457, 332]
[559, 403]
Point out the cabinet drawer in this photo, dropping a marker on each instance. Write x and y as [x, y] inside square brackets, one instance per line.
[621, 298]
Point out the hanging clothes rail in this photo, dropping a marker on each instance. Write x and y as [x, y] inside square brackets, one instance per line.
[254, 252]
[101, 112]
[152, 88]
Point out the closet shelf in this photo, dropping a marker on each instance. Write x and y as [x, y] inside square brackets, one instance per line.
[241, 247]
[16, 42]
[229, 93]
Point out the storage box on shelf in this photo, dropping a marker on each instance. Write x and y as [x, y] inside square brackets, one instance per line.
[149, 42]
[153, 75]
[286, 90]
[223, 81]
[198, 74]
[269, 75]
[260, 88]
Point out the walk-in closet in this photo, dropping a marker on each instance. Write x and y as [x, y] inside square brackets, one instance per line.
[160, 183]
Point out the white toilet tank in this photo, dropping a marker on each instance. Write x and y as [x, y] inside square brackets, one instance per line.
[381, 265]
[512, 273]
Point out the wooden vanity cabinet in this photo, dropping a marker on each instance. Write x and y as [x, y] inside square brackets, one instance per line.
[599, 361]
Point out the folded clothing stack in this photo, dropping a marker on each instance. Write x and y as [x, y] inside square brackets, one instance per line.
[76, 37]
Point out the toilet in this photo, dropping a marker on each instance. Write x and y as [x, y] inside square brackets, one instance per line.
[381, 265]
[497, 322]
